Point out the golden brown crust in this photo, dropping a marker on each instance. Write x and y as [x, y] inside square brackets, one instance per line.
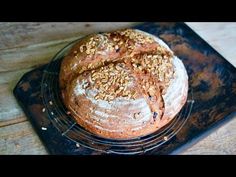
[113, 83]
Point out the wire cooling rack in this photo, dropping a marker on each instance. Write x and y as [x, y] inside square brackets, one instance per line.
[67, 126]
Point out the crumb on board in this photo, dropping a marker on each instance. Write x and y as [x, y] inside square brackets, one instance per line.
[77, 145]
[43, 128]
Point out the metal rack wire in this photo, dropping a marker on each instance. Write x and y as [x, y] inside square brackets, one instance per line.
[68, 127]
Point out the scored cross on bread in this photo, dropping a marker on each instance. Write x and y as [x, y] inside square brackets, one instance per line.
[115, 84]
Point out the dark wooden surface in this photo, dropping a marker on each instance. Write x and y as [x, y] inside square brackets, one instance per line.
[212, 79]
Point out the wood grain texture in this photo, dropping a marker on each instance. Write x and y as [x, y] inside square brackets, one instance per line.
[221, 141]
[221, 36]
[30, 56]
[24, 46]
[19, 35]
[20, 139]
[10, 111]
[8, 105]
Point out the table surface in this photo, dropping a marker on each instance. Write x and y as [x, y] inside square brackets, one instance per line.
[25, 46]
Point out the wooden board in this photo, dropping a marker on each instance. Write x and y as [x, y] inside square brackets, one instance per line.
[211, 78]
[18, 139]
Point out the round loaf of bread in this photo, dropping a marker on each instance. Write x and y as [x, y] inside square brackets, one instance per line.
[122, 84]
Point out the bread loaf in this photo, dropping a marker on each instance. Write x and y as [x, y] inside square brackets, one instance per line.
[122, 84]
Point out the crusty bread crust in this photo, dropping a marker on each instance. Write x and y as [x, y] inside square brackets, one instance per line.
[135, 111]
